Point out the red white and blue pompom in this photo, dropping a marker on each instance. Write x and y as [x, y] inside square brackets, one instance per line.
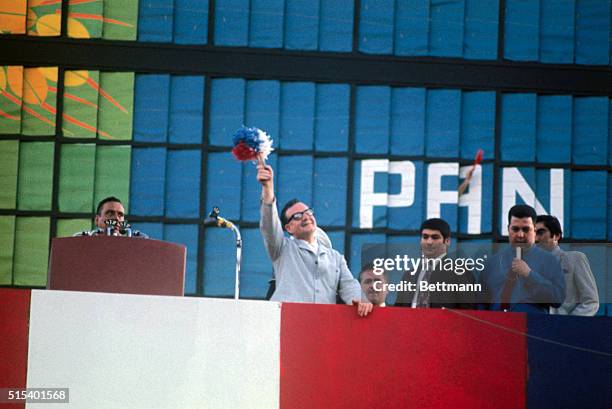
[251, 143]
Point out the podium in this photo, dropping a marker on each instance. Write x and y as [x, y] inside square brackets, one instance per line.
[117, 265]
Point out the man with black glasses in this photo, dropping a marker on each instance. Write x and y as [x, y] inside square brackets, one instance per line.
[522, 277]
[306, 268]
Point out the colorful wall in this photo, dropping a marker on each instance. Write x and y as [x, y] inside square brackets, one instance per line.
[374, 156]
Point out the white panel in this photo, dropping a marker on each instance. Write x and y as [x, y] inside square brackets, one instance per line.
[134, 351]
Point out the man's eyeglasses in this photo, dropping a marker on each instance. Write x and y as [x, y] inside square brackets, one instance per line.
[516, 229]
[300, 215]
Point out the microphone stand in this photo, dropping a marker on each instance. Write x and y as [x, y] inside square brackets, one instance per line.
[214, 219]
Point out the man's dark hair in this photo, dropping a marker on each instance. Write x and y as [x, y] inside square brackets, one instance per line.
[104, 201]
[437, 224]
[283, 214]
[551, 223]
[370, 266]
[521, 211]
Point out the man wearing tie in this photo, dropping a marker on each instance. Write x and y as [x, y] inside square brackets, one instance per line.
[522, 277]
[435, 239]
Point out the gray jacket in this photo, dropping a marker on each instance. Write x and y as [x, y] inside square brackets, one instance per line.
[581, 290]
[301, 275]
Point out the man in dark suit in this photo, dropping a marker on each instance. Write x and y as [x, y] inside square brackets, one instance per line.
[435, 239]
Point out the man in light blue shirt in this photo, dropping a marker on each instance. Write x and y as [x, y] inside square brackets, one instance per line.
[306, 268]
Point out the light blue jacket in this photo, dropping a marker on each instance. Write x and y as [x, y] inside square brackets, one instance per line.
[301, 275]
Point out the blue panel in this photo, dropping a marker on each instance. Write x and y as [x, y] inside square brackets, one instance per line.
[337, 239]
[231, 22]
[301, 25]
[477, 124]
[557, 31]
[186, 109]
[183, 183]
[589, 207]
[155, 21]
[545, 196]
[376, 27]
[529, 175]
[256, 268]
[186, 234]
[408, 121]
[266, 26]
[336, 25]
[297, 115]
[219, 262]
[262, 106]
[609, 132]
[448, 211]
[372, 118]
[227, 99]
[480, 31]
[518, 127]
[522, 30]
[443, 123]
[552, 381]
[223, 175]
[486, 204]
[381, 185]
[412, 27]
[409, 218]
[148, 181]
[251, 190]
[357, 241]
[190, 21]
[608, 288]
[590, 141]
[330, 186]
[332, 117]
[593, 32]
[446, 31]
[153, 230]
[294, 179]
[610, 212]
[554, 129]
[151, 100]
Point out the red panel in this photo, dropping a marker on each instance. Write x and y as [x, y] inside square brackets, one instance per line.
[14, 319]
[398, 357]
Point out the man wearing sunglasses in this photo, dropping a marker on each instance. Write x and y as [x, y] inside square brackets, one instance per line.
[306, 268]
[581, 297]
[522, 277]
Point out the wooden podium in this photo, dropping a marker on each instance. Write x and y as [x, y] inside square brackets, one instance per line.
[117, 265]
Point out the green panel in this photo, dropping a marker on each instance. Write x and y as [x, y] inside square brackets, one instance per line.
[120, 19]
[11, 83]
[76, 184]
[9, 160]
[80, 104]
[116, 105]
[113, 173]
[31, 251]
[35, 180]
[68, 227]
[88, 27]
[39, 101]
[7, 240]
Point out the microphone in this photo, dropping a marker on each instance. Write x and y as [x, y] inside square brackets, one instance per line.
[214, 219]
[110, 226]
[518, 252]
